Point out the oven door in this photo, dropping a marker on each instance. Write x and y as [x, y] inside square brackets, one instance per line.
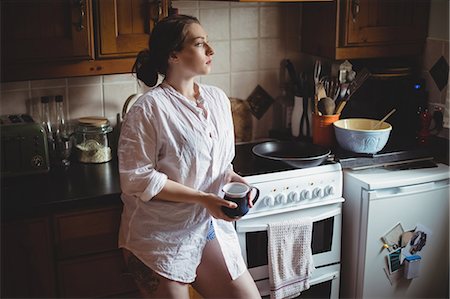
[325, 245]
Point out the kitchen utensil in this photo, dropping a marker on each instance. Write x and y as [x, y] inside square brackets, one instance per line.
[305, 126]
[357, 135]
[296, 115]
[294, 77]
[317, 70]
[384, 118]
[297, 154]
[326, 106]
[361, 77]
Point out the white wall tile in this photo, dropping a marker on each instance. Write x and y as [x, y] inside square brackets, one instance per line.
[190, 12]
[244, 55]
[79, 81]
[216, 23]
[242, 84]
[114, 96]
[184, 4]
[244, 22]
[48, 83]
[213, 4]
[130, 77]
[220, 80]
[271, 21]
[271, 52]
[19, 85]
[14, 102]
[221, 58]
[85, 101]
[269, 80]
[433, 50]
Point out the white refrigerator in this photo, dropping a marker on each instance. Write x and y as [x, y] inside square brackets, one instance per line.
[395, 238]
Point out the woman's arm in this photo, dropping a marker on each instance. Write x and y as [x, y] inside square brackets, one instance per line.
[173, 191]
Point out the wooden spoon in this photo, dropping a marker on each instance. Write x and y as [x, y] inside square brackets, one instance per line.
[383, 119]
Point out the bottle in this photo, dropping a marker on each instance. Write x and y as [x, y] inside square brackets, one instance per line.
[47, 124]
[45, 116]
[62, 136]
[60, 126]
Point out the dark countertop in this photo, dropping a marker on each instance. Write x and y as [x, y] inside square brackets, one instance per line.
[84, 186]
[79, 186]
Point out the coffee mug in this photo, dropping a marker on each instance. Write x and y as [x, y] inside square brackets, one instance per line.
[238, 193]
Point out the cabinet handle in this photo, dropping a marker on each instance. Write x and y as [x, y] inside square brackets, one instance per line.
[82, 8]
[355, 9]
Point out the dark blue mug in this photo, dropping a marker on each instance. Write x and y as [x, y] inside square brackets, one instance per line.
[238, 193]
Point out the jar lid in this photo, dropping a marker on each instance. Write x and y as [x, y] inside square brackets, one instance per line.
[93, 124]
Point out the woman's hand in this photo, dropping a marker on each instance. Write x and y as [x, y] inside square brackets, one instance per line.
[214, 204]
[234, 177]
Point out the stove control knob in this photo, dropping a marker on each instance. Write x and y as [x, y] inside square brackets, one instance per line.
[269, 201]
[317, 193]
[329, 190]
[281, 199]
[305, 195]
[294, 196]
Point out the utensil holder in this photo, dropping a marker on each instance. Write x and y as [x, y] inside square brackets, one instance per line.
[322, 129]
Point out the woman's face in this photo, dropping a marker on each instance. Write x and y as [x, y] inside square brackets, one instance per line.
[196, 56]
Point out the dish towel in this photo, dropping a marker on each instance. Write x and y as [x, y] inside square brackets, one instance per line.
[290, 257]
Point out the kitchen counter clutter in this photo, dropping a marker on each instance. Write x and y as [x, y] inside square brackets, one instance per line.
[88, 185]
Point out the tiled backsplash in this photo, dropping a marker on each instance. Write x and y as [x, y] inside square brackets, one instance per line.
[249, 39]
[435, 72]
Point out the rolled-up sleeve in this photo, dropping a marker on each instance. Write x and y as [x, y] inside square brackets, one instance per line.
[137, 153]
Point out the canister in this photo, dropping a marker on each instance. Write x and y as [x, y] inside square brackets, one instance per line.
[91, 140]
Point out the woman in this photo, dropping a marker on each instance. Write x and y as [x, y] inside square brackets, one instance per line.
[175, 153]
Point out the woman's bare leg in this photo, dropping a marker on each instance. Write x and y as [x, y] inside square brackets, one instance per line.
[151, 284]
[214, 281]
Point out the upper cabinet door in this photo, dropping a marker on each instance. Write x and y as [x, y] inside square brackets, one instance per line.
[124, 26]
[385, 21]
[359, 29]
[46, 30]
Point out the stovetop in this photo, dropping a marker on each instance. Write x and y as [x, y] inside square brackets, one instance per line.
[246, 163]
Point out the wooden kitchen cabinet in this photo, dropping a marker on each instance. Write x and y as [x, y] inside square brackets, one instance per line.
[353, 29]
[49, 30]
[89, 263]
[54, 38]
[27, 264]
[124, 26]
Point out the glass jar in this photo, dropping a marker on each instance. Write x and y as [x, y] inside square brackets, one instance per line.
[91, 140]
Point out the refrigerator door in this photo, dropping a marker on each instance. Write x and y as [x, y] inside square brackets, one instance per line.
[424, 205]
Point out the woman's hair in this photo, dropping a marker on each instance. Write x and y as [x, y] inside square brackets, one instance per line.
[167, 37]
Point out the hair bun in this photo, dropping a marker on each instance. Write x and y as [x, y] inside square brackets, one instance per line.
[145, 68]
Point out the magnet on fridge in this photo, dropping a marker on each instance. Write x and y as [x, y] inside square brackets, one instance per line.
[412, 266]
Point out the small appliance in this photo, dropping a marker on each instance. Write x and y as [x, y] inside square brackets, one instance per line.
[24, 148]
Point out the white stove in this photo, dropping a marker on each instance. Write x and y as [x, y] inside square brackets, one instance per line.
[290, 193]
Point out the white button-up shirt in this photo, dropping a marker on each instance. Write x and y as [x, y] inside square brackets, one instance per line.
[167, 136]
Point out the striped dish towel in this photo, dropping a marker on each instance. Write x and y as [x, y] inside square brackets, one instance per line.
[290, 257]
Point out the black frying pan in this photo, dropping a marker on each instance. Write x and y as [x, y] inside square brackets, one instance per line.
[295, 153]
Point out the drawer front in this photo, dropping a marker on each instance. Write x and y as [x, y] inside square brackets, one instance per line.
[100, 275]
[87, 232]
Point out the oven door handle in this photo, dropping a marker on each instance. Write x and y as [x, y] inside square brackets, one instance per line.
[263, 227]
[325, 277]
